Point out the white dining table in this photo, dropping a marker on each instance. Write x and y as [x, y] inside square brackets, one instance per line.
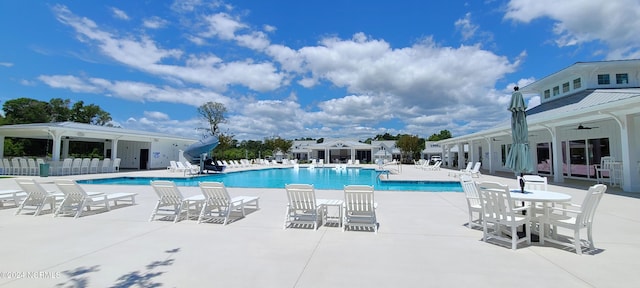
[540, 196]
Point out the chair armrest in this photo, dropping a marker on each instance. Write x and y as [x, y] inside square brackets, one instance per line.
[522, 208]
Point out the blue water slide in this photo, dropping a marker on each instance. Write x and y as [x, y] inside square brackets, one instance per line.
[195, 150]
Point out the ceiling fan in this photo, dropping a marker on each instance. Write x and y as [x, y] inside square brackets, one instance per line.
[582, 127]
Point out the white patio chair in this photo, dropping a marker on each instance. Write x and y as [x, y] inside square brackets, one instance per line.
[359, 208]
[498, 209]
[473, 199]
[76, 199]
[24, 166]
[7, 166]
[37, 197]
[576, 217]
[604, 170]
[33, 168]
[93, 165]
[171, 202]
[15, 165]
[84, 165]
[65, 169]
[106, 165]
[76, 165]
[116, 165]
[303, 207]
[219, 205]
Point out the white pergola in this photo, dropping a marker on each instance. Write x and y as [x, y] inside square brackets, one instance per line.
[63, 132]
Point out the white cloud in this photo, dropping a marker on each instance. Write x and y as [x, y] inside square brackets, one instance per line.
[466, 27]
[117, 13]
[134, 91]
[156, 115]
[425, 87]
[154, 22]
[614, 23]
[144, 54]
[222, 25]
[6, 64]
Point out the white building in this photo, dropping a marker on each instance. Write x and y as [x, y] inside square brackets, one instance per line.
[136, 149]
[589, 110]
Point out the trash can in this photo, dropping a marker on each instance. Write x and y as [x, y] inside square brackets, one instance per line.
[44, 170]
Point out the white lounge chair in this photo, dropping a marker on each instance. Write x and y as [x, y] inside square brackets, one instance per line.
[171, 202]
[462, 171]
[498, 209]
[219, 205]
[181, 167]
[12, 195]
[76, 199]
[359, 208]
[576, 217]
[473, 199]
[173, 166]
[434, 167]
[192, 169]
[303, 207]
[36, 197]
[2, 170]
[475, 172]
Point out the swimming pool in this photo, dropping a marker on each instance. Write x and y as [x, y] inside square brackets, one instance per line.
[321, 178]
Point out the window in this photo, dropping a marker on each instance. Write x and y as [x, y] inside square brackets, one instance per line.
[565, 87]
[603, 79]
[622, 78]
[556, 90]
[547, 94]
[577, 83]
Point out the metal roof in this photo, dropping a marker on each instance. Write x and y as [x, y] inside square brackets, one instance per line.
[584, 106]
[83, 131]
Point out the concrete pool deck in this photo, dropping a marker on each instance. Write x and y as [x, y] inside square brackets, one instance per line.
[423, 241]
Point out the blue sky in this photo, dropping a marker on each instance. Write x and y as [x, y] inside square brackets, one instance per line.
[350, 69]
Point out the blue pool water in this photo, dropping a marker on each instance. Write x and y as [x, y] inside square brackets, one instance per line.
[321, 178]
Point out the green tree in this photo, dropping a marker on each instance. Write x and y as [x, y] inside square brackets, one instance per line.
[213, 113]
[60, 110]
[25, 111]
[279, 144]
[444, 134]
[91, 114]
[410, 146]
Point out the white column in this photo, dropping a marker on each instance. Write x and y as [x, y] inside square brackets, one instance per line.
[556, 155]
[1, 146]
[460, 155]
[114, 149]
[65, 148]
[630, 158]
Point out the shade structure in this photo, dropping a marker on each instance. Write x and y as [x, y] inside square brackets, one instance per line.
[519, 158]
